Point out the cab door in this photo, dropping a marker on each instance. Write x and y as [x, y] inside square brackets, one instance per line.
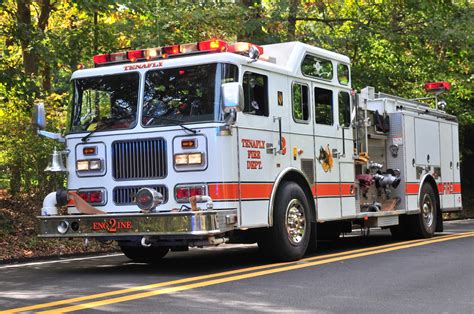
[301, 141]
[327, 149]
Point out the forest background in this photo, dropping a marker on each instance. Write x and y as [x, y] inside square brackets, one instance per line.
[394, 45]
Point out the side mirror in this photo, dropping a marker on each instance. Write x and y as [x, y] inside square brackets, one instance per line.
[39, 117]
[233, 97]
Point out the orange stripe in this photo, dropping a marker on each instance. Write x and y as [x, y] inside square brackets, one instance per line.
[457, 188]
[224, 191]
[255, 190]
[346, 189]
[412, 188]
[440, 188]
[328, 189]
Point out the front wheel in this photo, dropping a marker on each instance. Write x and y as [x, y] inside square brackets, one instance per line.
[288, 239]
[144, 254]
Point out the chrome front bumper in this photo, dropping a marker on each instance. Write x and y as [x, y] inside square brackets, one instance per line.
[201, 223]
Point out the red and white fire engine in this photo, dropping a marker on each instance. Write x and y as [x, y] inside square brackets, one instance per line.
[208, 143]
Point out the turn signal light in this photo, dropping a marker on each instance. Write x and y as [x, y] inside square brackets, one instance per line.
[188, 143]
[90, 150]
[184, 192]
[92, 197]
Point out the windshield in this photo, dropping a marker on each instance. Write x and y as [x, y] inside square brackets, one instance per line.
[107, 102]
[186, 94]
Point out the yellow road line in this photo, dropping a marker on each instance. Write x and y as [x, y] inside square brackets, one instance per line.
[209, 276]
[283, 268]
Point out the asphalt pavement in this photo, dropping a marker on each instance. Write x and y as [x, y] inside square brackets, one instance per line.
[356, 274]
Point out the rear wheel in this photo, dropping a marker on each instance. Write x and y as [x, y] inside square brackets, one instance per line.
[424, 224]
[288, 239]
[144, 254]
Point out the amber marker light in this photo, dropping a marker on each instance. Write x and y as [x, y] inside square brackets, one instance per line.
[188, 143]
[89, 150]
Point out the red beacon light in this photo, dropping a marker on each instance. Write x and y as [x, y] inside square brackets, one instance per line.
[437, 87]
[171, 50]
[99, 59]
[135, 55]
[212, 45]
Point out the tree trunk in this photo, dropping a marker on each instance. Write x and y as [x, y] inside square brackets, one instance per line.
[292, 14]
[30, 58]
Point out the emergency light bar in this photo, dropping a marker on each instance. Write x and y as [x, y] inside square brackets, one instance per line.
[437, 87]
[208, 46]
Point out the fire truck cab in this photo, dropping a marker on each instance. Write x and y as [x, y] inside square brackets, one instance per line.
[208, 143]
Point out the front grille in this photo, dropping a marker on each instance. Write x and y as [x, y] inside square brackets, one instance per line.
[124, 195]
[139, 159]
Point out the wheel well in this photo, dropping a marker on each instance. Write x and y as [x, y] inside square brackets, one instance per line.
[298, 178]
[430, 180]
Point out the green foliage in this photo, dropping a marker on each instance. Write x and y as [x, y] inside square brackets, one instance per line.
[395, 46]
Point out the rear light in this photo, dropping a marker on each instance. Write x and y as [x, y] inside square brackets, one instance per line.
[94, 197]
[212, 45]
[98, 59]
[184, 192]
[171, 50]
[134, 55]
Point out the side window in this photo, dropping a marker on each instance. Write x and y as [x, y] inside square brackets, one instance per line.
[300, 102]
[323, 106]
[344, 109]
[316, 67]
[343, 74]
[255, 94]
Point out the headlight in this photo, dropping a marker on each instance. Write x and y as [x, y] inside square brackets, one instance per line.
[188, 159]
[89, 165]
[82, 165]
[181, 159]
[95, 164]
[195, 159]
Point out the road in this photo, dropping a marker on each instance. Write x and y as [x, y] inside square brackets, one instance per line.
[355, 274]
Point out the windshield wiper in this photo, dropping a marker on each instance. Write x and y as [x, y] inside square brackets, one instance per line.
[102, 127]
[177, 123]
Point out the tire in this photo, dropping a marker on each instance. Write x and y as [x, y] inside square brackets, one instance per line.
[144, 254]
[423, 225]
[288, 239]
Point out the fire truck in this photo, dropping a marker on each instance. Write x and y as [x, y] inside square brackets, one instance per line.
[214, 142]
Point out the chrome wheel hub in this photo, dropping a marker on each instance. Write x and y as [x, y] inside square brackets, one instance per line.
[427, 211]
[295, 221]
